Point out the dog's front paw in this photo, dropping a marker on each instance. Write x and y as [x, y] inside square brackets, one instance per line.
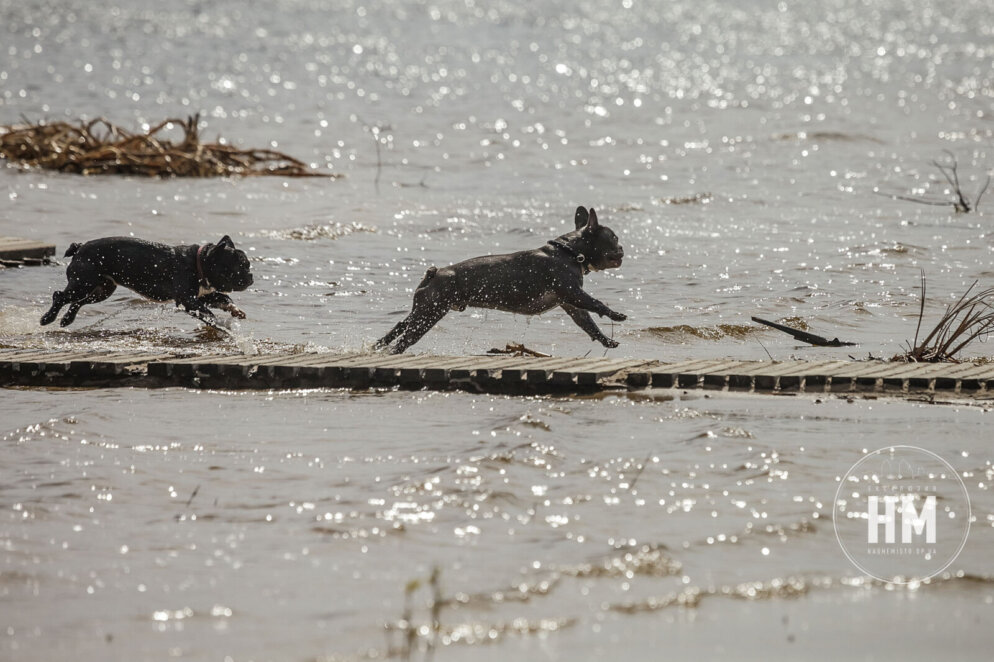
[617, 317]
[235, 312]
[608, 342]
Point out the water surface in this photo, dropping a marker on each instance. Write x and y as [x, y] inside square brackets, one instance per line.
[738, 149]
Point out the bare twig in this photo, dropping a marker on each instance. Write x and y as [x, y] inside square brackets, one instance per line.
[951, 174]
[376, 131]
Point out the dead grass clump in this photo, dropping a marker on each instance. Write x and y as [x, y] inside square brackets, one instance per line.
[969, 319]
[98, 147]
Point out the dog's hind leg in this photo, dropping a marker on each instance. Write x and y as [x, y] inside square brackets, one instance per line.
[392, 334]
[420, 295]
[95, 295]
[418, 323]
[431, 303]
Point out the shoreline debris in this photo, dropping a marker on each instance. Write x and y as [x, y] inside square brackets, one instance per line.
[98, 147]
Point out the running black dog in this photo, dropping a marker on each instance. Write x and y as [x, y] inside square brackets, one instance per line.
[528, 283]
[195, 277]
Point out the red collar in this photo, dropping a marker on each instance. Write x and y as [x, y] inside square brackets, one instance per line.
[200, 267]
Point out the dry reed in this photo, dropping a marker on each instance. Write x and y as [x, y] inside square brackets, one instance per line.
[971, 318]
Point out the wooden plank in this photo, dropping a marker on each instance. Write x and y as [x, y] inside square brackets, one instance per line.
[925, 377]
[202, 358]
[36, 355]
[16, 248]
[606, 368]
[46, 366]
[964, 370]
[569, 373]
[140, 357]
[386, 369]
[717, 370]
[103, 366]
[483, 367]
[236, 369]
[498, 373]
[541, 372]
[666, 375]
[183, 367]
[307, 366]
[58, 360]
[348, 371]
[789, 375]
[314, 359]
[519, 371]
[438, 371]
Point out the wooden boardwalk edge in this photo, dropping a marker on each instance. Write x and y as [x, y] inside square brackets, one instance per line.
[16, 251]
[484, 374]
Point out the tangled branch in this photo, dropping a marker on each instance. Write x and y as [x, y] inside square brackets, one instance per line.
[99, 147]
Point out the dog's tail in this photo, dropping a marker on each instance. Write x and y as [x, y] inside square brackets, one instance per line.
[73, 247]
[428, 276]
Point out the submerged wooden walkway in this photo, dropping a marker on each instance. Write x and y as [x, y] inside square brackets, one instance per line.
[491, 374]
[15, 251]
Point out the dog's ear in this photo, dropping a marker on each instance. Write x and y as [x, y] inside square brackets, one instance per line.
[221, 245]
[581, 217]
[592, 223]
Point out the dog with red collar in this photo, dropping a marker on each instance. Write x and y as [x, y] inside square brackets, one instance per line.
[195, 277]
[527, 282]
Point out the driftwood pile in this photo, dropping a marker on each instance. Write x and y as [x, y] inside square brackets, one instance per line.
[98, 147]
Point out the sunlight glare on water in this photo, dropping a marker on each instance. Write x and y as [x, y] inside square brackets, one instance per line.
[739, 151]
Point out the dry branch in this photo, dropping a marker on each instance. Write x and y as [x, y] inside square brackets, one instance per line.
[98, 147]
[517, 349]
[959, 201]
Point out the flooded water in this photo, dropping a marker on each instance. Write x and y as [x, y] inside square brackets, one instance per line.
[739, 150]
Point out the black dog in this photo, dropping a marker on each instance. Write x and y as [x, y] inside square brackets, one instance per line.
[193, 276]
[528, 283]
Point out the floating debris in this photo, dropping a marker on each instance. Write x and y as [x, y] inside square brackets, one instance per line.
[98, 147]
[714, 332]
[697, 198]
[517, 349]
[804, 336]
